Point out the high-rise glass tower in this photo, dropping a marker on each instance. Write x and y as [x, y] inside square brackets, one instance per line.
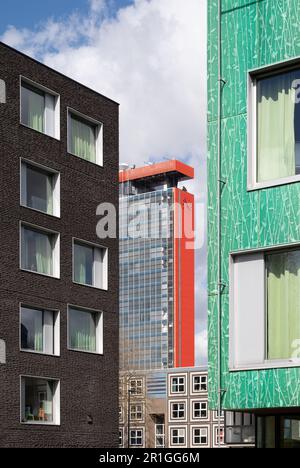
[156, 267]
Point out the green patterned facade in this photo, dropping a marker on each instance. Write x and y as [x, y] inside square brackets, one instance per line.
[254, 34]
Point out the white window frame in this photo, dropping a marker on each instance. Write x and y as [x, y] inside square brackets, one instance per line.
[215, 416]
[178, 428]
[253, 77]
[192, 415]
[99, 330]
[50, 92]
[192, 436]
[178, 402]
[56, 330]
[121, 414]
[141, 429]
[177, 376]
[55, 251]
[133, 379]
[135, 419]
[121, 430]
[260, 328]
[215, 436]
[162, 435]
[56, 401]
[192, 383]
[99, 135]
[100, 266]
[24, 163]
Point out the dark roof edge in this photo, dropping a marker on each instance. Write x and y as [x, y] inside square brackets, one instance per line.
[2, 44]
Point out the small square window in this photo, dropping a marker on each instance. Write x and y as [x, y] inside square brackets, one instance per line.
[200, 410]
[136, 387]
[178, 384]
[136, 412]
[178, 410]
[85, 138]
[200, 436]
[40, 189]
[178, 436]
[136, 437]
[39, 330]
[199, 384]
[90, 265]
[40, 401]
[85, 330]
[40, 251]
[40, 109]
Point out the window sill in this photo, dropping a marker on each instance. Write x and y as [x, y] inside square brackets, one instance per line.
[39, 423]
[40, 133]
[93, 353]
[40, 274]
[268, 366]
[39, 353]
[273, 183]
[90, 286]
[97, 164]
[40, 211]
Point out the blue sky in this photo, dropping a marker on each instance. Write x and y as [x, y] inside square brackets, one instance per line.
[28, 13]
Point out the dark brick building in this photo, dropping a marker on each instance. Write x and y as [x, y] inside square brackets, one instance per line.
[58, 280]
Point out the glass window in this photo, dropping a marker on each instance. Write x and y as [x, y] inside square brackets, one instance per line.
[178, 384]
[136, 412]
[38, 109]
[136, 437]
[199, 383]
[283, 305]
[136, 387]
[39, 400]
[39, 330]
[200, 436]
[178, 410]
[120, 437]
[200, 410]
[178, 436]
[38, 187]
[239, 428]
[278, 126]
[85, 330]
[39, 251]
[90, 265]
[83, 138]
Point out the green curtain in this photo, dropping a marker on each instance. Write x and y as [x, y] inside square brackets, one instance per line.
[43, 254]
[36, 109]
[283, 296]
[80, 265]
[83, 330]
[276, 132]
[83, 140]
[85, 341]
[38, 332]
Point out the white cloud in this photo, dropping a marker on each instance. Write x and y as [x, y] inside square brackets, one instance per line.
[150, 57]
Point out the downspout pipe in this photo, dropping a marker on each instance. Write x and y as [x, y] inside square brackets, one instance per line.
[220, 186]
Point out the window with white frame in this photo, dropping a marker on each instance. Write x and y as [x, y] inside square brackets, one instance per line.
[178, 384]
[85, 137]
[39, 330]
[136, 387]
[219, 436]
[120, 413]
[40, 108]
[274, 125]
[90, 265]
[178, 410]
[40, 188]
[136, 437]
[199, 383]
[40, 401]
[121, 438]
[178, 436]
[136, 412]
[200, 409]
[200, 435]
[265, 308]
[85, 330]
[40, 251]
[160, 436]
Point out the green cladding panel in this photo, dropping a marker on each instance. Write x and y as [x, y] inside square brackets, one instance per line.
[254, 34]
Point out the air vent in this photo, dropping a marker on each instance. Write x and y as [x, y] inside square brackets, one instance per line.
[2, 92]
